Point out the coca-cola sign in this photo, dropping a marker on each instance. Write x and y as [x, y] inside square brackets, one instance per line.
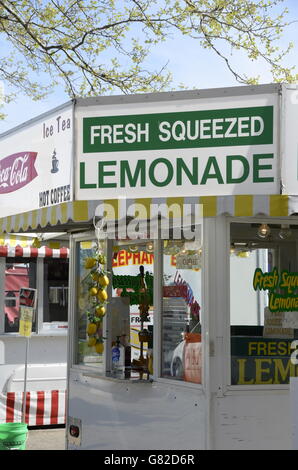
[16, 171]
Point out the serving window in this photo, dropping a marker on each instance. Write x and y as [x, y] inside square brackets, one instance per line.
[115, 308]
[117, 333]
[55, 302]
[263, 302]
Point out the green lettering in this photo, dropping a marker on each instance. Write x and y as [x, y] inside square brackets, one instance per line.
[212, 162]
[140, 171]
[245, 173]
[84, 185]
[169, 168]
[257, 167]
[102, 174]
[192, 176]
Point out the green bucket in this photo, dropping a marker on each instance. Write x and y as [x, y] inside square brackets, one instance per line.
[13, 436]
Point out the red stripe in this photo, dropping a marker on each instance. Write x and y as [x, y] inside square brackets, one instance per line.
[48, 252]
[3, 251]
[33, 252]
[10, 399]
[54, 406]
[40, 408]
[64, 252]
[27, 411]
[18, 251]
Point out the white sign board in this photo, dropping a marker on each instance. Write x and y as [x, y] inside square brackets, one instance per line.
[36, 164]
[274, 325]
[215, 146]
[188, 261]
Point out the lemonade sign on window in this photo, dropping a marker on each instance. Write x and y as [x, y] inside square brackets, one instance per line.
[27, 309]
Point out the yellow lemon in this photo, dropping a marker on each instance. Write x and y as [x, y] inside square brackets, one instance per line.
[93, 291]
[100, 310]
[90, 263]
[92, 341]
[99, 347]
[102, 295]
[103, 280]
[91, 329]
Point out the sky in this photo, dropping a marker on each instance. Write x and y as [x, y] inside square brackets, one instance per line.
[189, 64]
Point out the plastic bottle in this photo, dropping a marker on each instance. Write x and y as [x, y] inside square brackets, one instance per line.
[118, 359]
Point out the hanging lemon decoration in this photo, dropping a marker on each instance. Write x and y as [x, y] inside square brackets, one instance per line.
[90, 263]
[97, 281]
[102, 295]
[100, 310]
[92, 341]
[103, 280]
[93, 291]
[99, 347]
[91, 329]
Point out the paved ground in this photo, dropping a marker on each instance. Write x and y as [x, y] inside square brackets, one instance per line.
[46, 439]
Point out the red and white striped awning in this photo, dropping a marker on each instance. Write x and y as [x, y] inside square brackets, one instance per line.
[43, 408]
[30, 252]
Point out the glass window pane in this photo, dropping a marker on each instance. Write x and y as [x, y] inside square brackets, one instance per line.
[125, 334]
[132, 306]
[19, 272]
[91, 306]
[262, 330]
[55, 290]
[181, 312]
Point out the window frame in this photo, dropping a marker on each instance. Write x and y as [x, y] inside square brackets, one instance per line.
[170, 380]
[228, 388]
[40, 272]
[3, 262]
[92, 371]
[39, 330]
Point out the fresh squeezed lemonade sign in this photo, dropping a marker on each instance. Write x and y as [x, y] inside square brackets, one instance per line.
[286, 282]
[262, 361]
[272, 359]
[202, 151]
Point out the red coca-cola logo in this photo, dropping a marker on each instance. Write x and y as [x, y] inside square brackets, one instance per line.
[16, 171]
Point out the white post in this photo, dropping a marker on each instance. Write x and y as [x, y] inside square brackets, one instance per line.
[25, 381]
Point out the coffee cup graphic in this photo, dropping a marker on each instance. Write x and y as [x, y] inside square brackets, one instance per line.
[55, 163]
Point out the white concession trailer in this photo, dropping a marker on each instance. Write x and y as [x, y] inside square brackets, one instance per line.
[35, 174]
[188, 203]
